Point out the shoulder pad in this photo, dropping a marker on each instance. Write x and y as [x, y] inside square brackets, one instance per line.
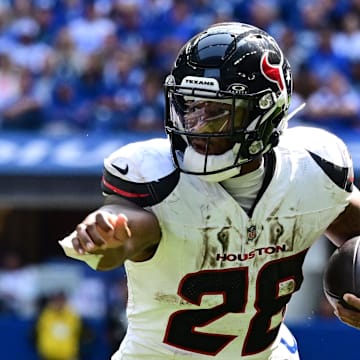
[328, 151]
[141, 161]
[142, 172]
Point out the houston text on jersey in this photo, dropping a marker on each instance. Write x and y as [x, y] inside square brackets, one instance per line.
[263, 251]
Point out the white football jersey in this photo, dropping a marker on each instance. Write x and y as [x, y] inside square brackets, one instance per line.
[218, 284]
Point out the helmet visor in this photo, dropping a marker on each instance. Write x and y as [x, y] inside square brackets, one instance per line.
[210, 117]
[206, 116]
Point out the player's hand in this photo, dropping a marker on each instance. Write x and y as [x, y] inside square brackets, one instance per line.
[348, 316]
[100, 231]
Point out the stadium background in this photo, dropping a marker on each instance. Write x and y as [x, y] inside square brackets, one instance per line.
[51, 151]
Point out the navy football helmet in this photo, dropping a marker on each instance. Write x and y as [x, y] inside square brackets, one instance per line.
[227, 98]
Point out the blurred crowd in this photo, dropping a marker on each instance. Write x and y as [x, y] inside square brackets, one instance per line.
[81, 66]
[71, 307]
[69, 66]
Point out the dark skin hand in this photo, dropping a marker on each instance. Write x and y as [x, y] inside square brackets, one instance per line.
[349, 317]
[119, 230]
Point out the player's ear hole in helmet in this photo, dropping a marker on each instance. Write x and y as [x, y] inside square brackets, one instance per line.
[227, 98]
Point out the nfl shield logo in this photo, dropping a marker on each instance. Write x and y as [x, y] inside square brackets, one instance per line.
[251, 232]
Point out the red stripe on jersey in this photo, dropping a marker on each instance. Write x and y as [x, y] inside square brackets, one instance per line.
[122, 192]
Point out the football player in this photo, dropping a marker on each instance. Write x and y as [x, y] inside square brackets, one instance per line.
[214, 222]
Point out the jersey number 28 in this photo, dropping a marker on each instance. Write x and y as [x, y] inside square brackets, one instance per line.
[233, 285]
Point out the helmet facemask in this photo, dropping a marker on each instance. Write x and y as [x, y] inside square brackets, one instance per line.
[212, 132]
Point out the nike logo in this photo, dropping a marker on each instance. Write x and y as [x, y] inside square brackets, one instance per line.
[292, 348]
[124, 170]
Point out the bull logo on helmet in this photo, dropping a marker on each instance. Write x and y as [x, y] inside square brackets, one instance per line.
[273, 73]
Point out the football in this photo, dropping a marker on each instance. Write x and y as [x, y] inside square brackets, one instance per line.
[342, 273]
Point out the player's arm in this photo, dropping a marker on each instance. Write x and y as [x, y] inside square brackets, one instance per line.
[331, 155]
[347, 224]
[136, 177]
[117, 231]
